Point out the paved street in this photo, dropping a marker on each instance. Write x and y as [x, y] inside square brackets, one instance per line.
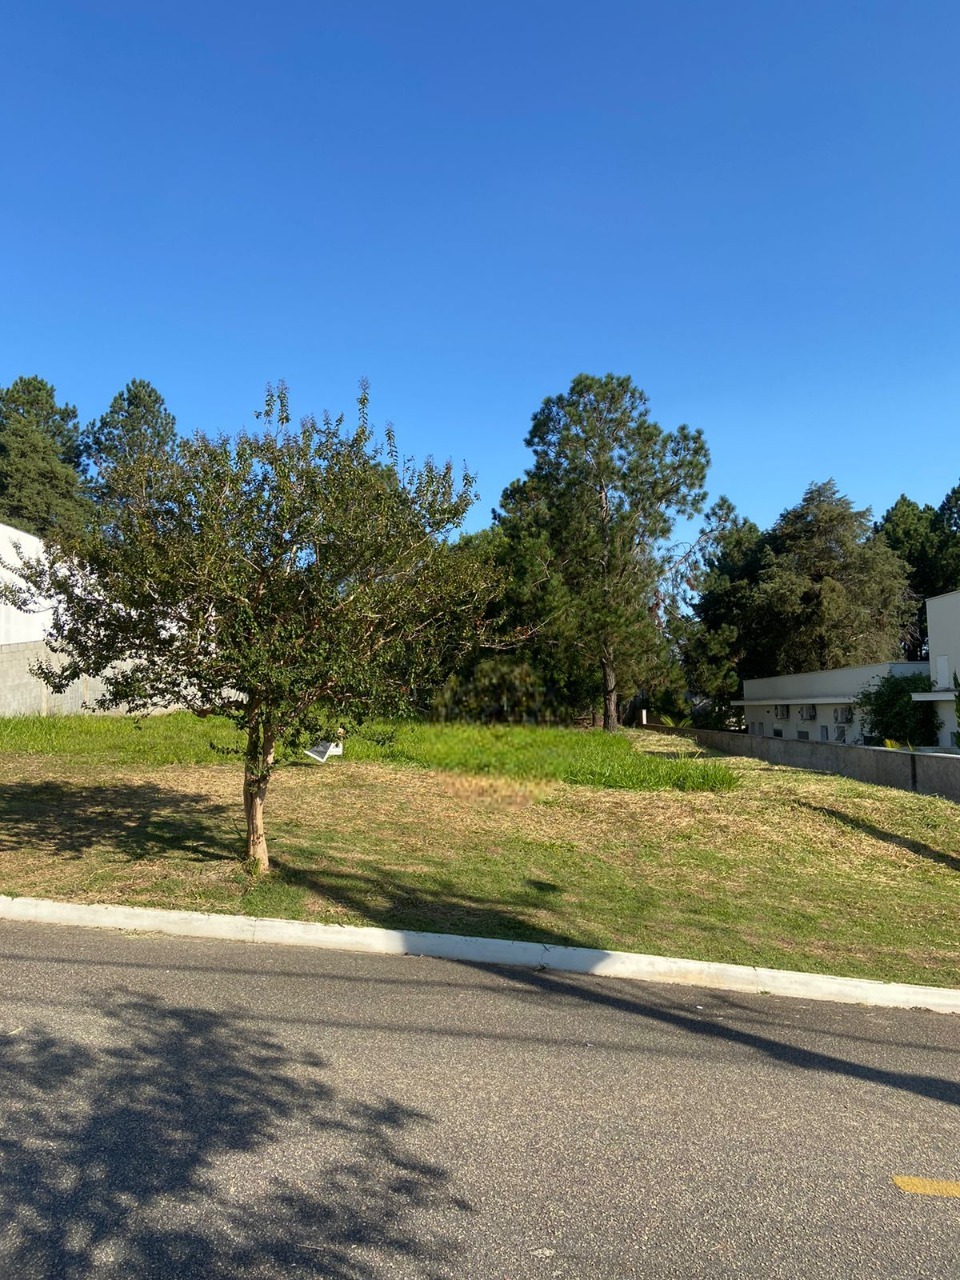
[203, 1109]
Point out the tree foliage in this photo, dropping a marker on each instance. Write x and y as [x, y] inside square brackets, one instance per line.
[890, 713]
[588, 527]
[137, 421]
[40, 453]
[290, 578]
[928, 540]
[816, 591]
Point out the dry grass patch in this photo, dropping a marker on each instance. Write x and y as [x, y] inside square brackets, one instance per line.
[793, 869]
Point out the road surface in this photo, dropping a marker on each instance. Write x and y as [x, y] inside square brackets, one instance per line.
[177, 1108]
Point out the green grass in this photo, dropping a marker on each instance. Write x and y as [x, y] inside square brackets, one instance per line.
[546, 754]
[588, 759]
[492, 832]
[178, 738]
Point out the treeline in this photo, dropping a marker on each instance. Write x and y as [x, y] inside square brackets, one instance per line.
[50, 465]
[594, 608]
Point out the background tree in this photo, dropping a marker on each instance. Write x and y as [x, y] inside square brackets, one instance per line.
[40, 452]
[596, 510]
[816, 591]
[722, 639]
[287, 579]
[921, 538]
[138, 421]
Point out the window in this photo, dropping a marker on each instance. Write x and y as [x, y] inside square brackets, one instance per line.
[803, 735]
[778, 733]
[824, 733]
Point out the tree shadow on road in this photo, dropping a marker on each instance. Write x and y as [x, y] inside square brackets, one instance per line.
[190, 1145]
[596, 994]
[141, 821]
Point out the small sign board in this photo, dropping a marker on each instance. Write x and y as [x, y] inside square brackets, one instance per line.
[324, 749]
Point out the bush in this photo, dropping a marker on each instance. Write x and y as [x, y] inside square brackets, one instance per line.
[889, 712]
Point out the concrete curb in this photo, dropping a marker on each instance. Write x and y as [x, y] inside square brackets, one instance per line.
[397, 942]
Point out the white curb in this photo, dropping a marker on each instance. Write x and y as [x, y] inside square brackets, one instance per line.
[608, 964]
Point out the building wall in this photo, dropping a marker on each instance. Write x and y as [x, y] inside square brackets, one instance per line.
[943, 621]
[830, 693]
[830, 724]
[17, 627]
[845, 681]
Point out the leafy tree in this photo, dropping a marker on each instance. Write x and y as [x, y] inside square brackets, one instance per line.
[834, 596]
[288, 579]
[890, 713]
[918, 536]
[40, 486]
[137, 421]
[948, 525]
[721, 639]
[529, 667]
[595, 512]
[816, 591]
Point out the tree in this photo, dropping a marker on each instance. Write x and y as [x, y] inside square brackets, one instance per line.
[137, 421]
[288, 579]
[832, 595]
[918, 536]
[889, 711]
[40, 485]
[721, 639]
[597, 509]
[816, 591]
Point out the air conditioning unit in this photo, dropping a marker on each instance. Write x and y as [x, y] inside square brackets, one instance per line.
[843, 715]
[781, 711]
[807, 711]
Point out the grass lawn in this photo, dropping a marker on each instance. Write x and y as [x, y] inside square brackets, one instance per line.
[553, 835]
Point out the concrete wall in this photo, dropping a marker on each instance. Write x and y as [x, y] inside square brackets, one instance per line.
[922, 771]
[22, 694]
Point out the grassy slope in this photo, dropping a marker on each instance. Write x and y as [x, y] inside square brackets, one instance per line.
[792, 869]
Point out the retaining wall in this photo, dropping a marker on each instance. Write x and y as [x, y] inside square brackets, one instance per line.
[926, 772]
[22, 694]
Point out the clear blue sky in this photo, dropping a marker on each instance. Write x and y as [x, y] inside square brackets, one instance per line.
[752, 208]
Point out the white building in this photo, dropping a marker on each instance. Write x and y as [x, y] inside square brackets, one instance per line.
[17, 627]
[819, 706]
[943, 627]
[815, 706]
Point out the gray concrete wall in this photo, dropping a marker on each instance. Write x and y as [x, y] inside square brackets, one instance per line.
[923, 771]
[22, 694]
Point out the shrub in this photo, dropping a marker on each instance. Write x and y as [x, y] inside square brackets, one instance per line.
[889, 712]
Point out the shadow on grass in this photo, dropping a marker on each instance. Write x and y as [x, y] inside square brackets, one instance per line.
[887, 837]
[190, 1144]
[392, 900]
[140, 821]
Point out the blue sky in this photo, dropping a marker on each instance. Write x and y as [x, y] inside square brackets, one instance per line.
[752, 208]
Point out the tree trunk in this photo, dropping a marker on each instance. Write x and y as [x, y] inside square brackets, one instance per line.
[260, 745]
[610, 718]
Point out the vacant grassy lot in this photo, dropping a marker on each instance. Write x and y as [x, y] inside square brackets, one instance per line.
[426, 829]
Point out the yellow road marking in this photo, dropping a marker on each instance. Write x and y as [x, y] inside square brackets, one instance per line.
[928, 1187]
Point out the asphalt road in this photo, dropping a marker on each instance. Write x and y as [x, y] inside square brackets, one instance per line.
[204, 1109]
